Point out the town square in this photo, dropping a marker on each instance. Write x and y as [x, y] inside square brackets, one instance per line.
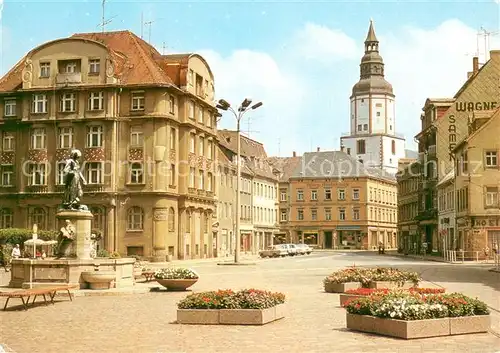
[246, 176]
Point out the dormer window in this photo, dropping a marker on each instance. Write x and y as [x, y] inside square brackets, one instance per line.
[44, 70]
[94, 66]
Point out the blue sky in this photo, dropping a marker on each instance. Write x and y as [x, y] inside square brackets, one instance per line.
[300, 58]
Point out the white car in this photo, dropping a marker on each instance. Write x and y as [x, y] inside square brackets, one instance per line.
[303, 249]
[292, 249]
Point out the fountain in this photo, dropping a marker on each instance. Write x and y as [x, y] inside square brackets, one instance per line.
[75, 262]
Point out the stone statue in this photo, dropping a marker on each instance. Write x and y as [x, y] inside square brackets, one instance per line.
[73, 182]
[65, 238]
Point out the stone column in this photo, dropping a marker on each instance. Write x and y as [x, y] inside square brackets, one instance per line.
[160, 230]
[81, 221]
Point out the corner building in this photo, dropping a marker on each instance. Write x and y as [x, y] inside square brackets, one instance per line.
[145, 123]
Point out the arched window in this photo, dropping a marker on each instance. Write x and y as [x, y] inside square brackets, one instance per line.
[188, 222]
[171, 219]
[38, 217]
[98, 220]
[135, 218]
[6, 218]
[393, 147]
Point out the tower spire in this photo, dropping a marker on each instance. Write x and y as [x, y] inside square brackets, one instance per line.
[371, 41]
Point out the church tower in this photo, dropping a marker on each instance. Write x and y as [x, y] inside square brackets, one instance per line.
[373, 139]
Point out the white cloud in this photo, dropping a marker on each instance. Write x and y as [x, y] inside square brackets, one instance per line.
[420, 63]
[258, 76]
[324, 44]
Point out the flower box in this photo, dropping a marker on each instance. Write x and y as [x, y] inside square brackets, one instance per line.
[399, 328]
[391, 285]
[198, 316]
[345, 297]
[230, 316]
[469, 324]
[334, 287]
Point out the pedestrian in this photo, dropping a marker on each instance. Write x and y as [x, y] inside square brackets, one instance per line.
[16, 252]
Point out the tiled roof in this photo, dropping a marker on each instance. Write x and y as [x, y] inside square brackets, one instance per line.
[262, 168]
[249, 147]
[336, 164]
[140, 66]
[285, 165]
[226, 155]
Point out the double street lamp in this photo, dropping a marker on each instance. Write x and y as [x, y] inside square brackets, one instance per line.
[245, 106]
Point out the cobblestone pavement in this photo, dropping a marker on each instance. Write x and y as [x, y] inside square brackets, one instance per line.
[314, 323]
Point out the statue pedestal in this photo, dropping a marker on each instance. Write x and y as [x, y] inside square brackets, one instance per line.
[81, 220]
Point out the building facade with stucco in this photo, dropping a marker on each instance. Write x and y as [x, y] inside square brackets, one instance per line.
[146, 125]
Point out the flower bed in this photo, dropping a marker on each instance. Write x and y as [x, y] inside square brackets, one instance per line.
[415, 315]
[362, 292]
[226, 307]
[378, 278]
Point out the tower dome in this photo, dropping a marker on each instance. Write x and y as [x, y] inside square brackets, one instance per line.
[371, 78]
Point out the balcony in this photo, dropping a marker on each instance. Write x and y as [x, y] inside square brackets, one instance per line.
[69, 78]
[428, 214]
[37, 189]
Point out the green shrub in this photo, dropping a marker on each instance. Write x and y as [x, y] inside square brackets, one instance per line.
[19, 236]
[102, 253]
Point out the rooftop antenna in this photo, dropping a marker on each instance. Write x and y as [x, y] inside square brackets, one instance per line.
[486, 34]
[163, 48]
[149, 23]
[104, 22]
[249, 127]
[279, 146]
[142, 25]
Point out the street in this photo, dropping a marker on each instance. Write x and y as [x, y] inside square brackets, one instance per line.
[314, 323]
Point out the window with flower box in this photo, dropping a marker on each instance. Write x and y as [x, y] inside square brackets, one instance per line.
[136, 173]
[6, 218]
[10, 105]
[138, 100]
[38, 139]
[135, 218]
[94, 172]
[96, 101]
[39, 104]
[7, 141]
[65, 137]
[7, 175]
[37, 175]
[68, 103]
[95, 136]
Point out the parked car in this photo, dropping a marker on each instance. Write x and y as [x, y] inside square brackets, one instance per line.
[274, 251]
[303, 249]
[291, 248]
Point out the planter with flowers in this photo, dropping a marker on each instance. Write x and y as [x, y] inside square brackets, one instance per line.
[391, 278]
[343, 280]
[409, 315]
[363, 292]
[226, 307]
[176, 278]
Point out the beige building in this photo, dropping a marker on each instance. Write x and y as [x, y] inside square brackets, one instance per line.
[409, 179]
[446, 213]
[337, 202]
[146, 126]
[285, 166]
[476, 185]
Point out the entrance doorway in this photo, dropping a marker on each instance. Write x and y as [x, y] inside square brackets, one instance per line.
[328, 240]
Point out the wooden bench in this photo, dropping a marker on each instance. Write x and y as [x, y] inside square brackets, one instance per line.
[149, 275]
[26, 294]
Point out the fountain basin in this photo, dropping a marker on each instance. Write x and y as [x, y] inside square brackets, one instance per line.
[99, 279]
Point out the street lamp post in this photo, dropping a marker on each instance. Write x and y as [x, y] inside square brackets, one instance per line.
[242, 109]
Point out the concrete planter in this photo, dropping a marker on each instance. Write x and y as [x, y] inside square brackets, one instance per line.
[177, 284]
[399, 328]
[230, 316]
[469, 324]
[333, 287]
[99, 279]
[346, 297]
[391, 285]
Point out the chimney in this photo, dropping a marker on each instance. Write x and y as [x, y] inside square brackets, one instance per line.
[294, 154]
[341, 148]
[475, 65]
[317, 149]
